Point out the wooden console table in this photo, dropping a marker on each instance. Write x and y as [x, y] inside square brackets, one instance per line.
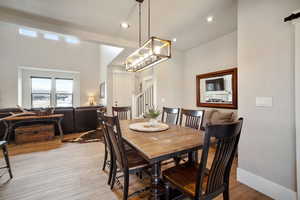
[11, 122]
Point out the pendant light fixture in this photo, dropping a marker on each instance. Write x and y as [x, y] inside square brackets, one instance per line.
[152, 52]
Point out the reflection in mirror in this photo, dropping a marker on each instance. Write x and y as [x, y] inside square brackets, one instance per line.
[216, 89]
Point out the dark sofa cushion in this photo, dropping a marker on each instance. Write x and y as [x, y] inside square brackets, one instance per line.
[90, 107]
[8, 110]
[85, 118]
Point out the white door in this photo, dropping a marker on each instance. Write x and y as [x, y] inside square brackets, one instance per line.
[123, 84]
[297, 99]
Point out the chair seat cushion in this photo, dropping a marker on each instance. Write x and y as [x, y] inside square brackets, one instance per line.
[184, 177]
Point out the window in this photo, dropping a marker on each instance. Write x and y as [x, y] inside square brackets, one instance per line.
[51, 92]
[48, 35]
[72, 40]
[27, 32]
[51, 36]
[40, 92]
[64, 92]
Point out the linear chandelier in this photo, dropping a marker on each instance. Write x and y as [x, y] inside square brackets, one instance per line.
[152, 52]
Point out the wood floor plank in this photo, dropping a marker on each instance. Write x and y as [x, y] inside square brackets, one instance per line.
[70, 171]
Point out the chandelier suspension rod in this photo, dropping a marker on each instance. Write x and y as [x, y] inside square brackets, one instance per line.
[149, 19]
[140, 24]
[152, 52]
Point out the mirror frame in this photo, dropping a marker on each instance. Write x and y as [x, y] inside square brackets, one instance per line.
[232, 72]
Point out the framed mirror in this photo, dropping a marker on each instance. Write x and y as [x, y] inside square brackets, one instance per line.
[217, 89]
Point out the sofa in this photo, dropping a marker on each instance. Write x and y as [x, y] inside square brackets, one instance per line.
[76, 119]
[214, 116]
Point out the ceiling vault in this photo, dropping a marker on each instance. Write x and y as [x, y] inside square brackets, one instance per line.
[22, 18]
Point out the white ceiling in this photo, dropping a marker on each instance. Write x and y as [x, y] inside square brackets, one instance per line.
[183, 19]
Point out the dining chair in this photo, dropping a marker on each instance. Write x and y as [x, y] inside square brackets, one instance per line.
[195, 180]
[108, 152]
[170, 115]
[191, 118]
[128, 162]
[123, 113]
[3, 146]
[108, 156]
[106, 162]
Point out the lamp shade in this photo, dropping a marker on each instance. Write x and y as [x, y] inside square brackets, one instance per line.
[91, 100]
[154, 51]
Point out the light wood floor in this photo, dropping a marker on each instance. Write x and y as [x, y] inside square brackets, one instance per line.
[71, 171]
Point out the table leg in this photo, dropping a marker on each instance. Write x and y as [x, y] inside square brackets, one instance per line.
[193, 157]
[8, 130]
[61, 133]
[155, 179]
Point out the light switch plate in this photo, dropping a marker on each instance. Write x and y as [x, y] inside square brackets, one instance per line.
[264, 101]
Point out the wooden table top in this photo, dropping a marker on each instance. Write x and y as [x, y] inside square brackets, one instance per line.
[33, 117]
[159, 144]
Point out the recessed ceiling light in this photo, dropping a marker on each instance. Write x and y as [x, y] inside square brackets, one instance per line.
[210, 19]
[174, 39]
[125, 25]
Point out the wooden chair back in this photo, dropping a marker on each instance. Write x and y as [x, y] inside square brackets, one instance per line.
[191, 118]
[101, 121]
[113, 133]
[170, 115]
[227, 138]
[100, 117]
[123, 113]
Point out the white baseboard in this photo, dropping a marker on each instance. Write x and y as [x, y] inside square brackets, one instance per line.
[265, 186]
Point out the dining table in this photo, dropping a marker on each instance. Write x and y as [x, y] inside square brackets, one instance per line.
[156, 147]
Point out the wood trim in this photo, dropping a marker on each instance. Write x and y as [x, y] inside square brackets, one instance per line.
[234, 104]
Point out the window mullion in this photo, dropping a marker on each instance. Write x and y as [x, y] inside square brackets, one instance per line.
[53, 93]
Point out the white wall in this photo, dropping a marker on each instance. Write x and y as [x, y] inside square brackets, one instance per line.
[168, 77]
[16, 50]
[297, 100]
[213, 56]
[107, 54]
[265, 59]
